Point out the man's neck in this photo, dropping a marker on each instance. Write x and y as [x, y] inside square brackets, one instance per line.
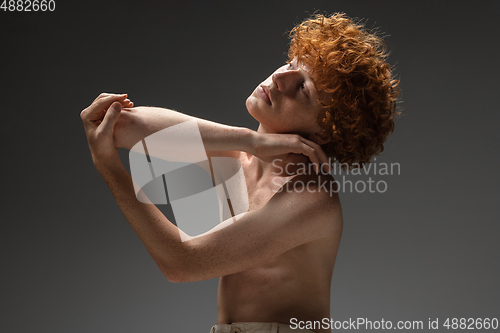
[261, 169]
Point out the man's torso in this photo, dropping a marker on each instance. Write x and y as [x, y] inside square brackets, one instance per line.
[295, 284]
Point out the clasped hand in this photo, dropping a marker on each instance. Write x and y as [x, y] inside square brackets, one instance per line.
[99, 120]
[285, 149]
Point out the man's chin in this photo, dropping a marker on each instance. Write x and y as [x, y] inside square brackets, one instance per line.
[253, 107]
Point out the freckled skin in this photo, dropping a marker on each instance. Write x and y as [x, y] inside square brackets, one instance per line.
[276, 261]
[295, 284]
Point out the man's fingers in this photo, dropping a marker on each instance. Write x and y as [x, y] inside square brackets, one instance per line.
[106, 101]
[317, 155]
[295, 144]
[127, 103]
[310, 153]
[102, 95]
[302, 146]
[110, 118]
[313, 156]
[96, 110]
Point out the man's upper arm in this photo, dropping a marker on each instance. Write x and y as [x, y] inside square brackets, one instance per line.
[288, 220]
[135, 124]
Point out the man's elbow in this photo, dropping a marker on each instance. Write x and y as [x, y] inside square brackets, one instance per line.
[173, 277]
[178, 273]
[176, 276]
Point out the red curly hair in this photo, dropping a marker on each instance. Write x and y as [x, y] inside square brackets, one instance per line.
[348, 66]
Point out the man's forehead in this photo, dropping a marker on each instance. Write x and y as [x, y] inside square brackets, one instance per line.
[306, 67]
[302, 64]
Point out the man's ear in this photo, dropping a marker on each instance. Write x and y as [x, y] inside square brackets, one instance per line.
[320, 138]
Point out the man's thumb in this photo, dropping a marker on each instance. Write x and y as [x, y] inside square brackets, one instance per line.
[111, 116]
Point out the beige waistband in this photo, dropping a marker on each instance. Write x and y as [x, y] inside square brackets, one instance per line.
[256, 328]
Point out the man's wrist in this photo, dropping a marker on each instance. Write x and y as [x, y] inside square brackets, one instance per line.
[249, 139]
[108, 164]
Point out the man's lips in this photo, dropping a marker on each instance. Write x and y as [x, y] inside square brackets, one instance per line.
[264, 93]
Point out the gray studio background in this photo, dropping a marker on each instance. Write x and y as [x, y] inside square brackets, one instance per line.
[427, 248]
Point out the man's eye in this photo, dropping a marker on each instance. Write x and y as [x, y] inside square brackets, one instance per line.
[302, 86]
[290, 66]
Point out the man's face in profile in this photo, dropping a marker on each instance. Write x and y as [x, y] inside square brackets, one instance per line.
[287, 101]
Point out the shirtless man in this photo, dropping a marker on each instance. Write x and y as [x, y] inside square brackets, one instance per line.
[335, 94]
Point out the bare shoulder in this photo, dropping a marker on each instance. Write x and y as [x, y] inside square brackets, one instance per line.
[318, 187]
[316, 197]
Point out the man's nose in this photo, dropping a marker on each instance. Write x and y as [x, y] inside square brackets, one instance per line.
[286, 81]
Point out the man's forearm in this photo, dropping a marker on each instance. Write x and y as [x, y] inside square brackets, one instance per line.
[160, 237]
[137, 123]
